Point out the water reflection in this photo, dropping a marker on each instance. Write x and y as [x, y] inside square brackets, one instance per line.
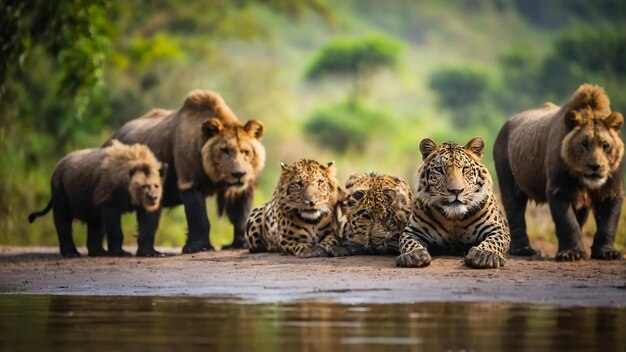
[71, 323]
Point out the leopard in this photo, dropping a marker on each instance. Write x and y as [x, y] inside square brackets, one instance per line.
[301, 217]
[375, 212]
[455, 211]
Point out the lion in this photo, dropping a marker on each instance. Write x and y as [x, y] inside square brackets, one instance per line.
[96, 186]
[212, 153]
[571, 158]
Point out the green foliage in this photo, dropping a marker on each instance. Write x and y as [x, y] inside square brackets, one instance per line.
[459, 87]
[76, 33]
[561, 13]
[344, 126]
[462, 90]
[588, 55]
[354, 57]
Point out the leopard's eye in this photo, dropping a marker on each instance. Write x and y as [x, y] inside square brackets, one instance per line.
[438, 169]
[364, 214]
[606, 147]
[358, 195]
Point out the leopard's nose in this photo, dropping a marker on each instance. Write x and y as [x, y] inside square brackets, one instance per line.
[456, 191]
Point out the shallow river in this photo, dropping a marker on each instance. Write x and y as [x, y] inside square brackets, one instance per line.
[96, 323]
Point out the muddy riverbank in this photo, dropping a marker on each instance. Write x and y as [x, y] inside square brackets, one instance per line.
[269, 277]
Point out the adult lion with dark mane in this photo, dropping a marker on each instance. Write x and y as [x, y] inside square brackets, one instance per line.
[210, 152]
[570, 157]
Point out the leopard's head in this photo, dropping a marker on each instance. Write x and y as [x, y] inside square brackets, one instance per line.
[452, 178]
[376, 209]
[308, 189]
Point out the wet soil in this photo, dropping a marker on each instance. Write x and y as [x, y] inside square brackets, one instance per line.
[271, 277]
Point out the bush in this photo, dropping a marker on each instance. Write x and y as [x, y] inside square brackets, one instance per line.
[463, 91]
[459, 87]
[354, 57]
[345, 126]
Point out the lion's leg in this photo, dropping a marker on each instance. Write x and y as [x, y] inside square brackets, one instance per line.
[147, 224]
[567, 230]
[254, 232]
[238, 210]
[197, 221]
[63, 223]
[95, 236]
[581, 216]
[513, 199]
[112, 219]
[413, 252]
[607, 217]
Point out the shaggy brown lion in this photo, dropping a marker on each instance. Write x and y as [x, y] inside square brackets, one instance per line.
[211, 153]
[97, 186]
[570, 157]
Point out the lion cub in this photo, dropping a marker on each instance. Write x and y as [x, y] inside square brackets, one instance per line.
[98, 185]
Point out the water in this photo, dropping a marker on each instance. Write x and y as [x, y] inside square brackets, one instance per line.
[73, 323]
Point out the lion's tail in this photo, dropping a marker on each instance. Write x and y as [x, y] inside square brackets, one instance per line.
[35, 215]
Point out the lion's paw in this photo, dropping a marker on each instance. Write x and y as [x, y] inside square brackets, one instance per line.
[609, 253]
[571, 255]
[524, 250]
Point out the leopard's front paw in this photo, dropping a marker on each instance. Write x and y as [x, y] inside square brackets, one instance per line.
[415, 259]
[481, 259]
[338, 251]
[315, 252]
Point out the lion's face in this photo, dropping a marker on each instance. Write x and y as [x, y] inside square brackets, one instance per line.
[146, 187]
[233, 156]
[308, 189]
[452, 178]
[592, 149]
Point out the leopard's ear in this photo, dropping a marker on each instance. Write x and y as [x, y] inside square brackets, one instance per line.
[476, 146]
[330, 169]
[427, 146]
[284, 168]
[353, 179]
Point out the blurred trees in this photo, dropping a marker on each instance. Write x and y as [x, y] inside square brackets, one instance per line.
[356, 59]
[349, 124]
[462, 90]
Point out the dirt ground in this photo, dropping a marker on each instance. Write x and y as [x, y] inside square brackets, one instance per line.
[271, 277]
